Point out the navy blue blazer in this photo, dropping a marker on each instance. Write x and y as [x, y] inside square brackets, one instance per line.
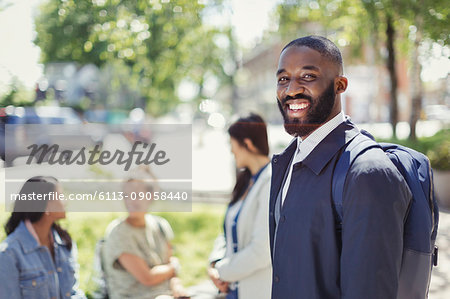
[310, 259]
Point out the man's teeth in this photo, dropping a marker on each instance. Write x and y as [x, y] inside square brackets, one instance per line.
[298, 106]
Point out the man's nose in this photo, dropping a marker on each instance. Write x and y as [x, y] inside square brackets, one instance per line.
[294, 88]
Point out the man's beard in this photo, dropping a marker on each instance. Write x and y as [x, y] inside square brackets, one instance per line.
[320, 109]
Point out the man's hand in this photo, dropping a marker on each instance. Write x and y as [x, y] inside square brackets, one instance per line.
[214, 276]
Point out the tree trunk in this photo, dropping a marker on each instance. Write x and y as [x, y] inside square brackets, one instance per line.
[390, 34]
[417, 90]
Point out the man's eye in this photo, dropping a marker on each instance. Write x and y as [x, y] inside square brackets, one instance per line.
[309, 76]
[282, 79]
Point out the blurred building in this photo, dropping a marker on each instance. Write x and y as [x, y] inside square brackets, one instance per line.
[257, 82]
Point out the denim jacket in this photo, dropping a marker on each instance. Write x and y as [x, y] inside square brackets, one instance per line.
[28, 271]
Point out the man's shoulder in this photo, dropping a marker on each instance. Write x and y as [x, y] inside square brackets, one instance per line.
[151, 218]
[114, 227]
[374, 163]
[374, 157]
[375, 181]
[160, 224]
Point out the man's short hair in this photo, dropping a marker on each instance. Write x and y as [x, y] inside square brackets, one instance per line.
[320, 44]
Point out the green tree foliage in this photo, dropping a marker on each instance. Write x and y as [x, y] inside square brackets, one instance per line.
[432, 15]
[17, 95]
[151, 44]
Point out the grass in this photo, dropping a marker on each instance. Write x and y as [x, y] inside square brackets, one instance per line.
[194, 236]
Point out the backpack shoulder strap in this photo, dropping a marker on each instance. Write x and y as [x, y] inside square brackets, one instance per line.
[355, 147]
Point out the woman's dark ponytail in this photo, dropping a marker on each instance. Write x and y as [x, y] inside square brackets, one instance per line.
[242, 181]
[12, 223]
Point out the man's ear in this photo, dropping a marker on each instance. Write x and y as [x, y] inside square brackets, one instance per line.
[341, 84]
[250, 146]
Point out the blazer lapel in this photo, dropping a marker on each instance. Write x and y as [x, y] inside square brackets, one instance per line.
[248, 206]
[328, 147]
[279, 165]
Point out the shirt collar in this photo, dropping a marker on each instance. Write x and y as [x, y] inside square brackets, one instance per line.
[307, 145]
[330, 145]
[32, 231]
[54, 237]
[30, 240]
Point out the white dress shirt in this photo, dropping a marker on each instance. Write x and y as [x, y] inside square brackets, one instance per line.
[305, 147]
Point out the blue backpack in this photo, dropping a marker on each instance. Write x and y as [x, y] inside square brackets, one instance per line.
[420, 230]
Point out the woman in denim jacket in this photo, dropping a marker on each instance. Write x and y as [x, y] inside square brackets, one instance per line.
[38, 258]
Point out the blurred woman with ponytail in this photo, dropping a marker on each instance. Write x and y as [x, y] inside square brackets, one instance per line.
[38, 257]
[240, 264]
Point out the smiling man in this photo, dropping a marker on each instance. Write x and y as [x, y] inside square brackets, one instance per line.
[313, 256]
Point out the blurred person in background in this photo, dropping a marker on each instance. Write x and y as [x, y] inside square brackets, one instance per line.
[38, 257]
[137, 253]
[240, 261]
